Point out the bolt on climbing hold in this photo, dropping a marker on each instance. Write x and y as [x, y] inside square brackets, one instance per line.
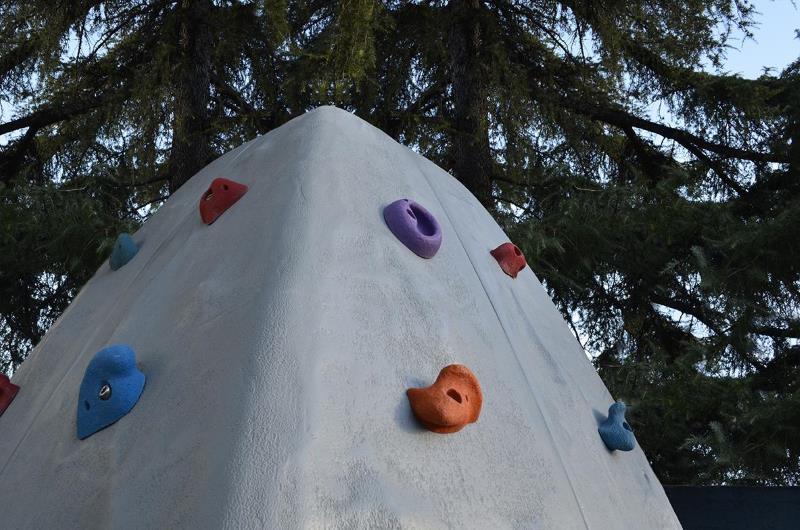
[111, 386]
[615, 431]
[124, 251]
[414, 226]
[510, 258]
[105, 392]
[450, 403]
[220, 195]
[7, 392]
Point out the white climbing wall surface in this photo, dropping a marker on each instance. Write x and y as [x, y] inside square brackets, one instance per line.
[278, 344]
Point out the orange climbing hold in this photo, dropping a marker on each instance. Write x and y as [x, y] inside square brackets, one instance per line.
[7, 392]
[510, 258]
[221, 195]
[450, 403]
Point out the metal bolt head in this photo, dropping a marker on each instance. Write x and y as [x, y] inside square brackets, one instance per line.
[105, 392]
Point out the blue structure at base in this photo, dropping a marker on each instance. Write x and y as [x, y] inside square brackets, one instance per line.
[110, 388]
[615, 431]
[124, 251]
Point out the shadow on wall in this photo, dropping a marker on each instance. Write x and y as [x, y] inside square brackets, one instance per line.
[735, 508]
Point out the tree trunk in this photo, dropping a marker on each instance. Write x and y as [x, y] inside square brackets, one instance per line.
[472, 158]
[190, 136]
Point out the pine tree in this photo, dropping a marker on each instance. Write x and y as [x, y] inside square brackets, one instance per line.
[656, 200]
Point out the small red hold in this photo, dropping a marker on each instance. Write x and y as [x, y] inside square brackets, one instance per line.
[510, 258]
[220, 196]
[7, 392]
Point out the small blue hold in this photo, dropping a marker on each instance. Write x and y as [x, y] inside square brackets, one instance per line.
[615, 431]
[124, 251]
[110, 388]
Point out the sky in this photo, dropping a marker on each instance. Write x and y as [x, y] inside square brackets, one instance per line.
[773, 44]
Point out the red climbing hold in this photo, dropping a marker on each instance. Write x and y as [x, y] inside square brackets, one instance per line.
[510, 258]
[7, 392]
[220, 196]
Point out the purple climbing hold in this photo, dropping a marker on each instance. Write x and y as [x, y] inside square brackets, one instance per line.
[414, 226]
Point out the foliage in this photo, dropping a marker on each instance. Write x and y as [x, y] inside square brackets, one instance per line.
[667, 239]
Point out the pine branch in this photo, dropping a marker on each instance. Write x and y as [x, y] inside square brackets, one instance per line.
[696, 310]
[14, 155]
[539, 62]
[717, 169]
[49, 116]
[620, 118]
[16, 57]
[265, 121]
[792, 331]
[692, 309]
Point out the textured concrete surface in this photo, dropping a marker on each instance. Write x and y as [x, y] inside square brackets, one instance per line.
[278, 345]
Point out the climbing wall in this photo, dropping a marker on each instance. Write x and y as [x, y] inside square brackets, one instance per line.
[273, 351]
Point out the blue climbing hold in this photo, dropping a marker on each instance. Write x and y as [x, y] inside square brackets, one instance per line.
[615, 431]
[124, 251]
[110, 388]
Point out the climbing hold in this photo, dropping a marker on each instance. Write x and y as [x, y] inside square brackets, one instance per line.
[414, 226]
[221, 195]
[110, 388]
[7, 392]
[510, 258]
[124, 251]
[615, 431]
[450, 403]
